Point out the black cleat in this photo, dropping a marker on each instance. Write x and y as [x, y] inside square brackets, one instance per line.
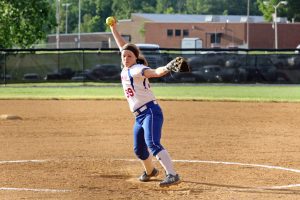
[170, 180]
[145, 177]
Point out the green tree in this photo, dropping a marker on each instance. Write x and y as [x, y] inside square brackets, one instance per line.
[221, 7]
[104, 9]
[148, 6]
[94, 12]
[123, 9]
[240, 7]
[171, 6]
[202, 7]
[24, 22]
[291, 10]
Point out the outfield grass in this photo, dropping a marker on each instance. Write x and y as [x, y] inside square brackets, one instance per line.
[231, 93]
[276, 93]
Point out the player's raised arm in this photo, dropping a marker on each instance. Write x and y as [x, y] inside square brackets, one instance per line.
[112, 23]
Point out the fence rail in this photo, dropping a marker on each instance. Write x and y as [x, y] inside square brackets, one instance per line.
[103, 65]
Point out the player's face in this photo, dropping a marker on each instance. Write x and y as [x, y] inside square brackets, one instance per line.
[128, 58]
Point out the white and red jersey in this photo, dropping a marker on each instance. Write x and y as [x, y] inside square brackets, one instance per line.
[136, 86]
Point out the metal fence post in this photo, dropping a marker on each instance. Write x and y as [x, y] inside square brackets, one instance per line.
[82, 67]
[4, 69]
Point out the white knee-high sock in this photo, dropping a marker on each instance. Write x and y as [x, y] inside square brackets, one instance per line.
[148, 165]
[165, 160]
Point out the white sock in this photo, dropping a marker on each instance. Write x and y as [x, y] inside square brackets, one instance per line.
[148, 165]
[165, 160]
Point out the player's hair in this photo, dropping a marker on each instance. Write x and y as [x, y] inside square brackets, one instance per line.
[136, 51]
[133, 48]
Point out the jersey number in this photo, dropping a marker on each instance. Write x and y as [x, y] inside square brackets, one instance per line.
[129, 92]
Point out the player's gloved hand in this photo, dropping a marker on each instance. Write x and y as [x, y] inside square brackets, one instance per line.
[178, 64]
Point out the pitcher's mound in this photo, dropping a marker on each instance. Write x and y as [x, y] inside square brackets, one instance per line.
[10, 117]
[154, 184]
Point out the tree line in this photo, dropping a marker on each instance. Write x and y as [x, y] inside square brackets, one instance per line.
[23, 23]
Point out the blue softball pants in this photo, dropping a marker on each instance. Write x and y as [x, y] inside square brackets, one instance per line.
[147, 131]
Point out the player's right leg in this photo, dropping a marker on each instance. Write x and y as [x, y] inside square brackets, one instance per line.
[141, 151]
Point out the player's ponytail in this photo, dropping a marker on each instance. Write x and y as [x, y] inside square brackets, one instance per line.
[142, 60]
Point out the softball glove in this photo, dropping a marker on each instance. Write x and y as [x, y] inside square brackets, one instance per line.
[178, 64]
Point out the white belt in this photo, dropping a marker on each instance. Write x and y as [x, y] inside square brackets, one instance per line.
[143, 108]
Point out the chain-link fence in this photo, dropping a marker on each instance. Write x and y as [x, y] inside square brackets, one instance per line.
[213, 66]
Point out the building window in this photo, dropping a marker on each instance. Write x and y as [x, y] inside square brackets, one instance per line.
[127, 38]
[177, 32]
[169, 32]
[215, 38]
[185, 32]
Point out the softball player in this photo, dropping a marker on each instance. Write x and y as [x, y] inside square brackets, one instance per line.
[148, 114]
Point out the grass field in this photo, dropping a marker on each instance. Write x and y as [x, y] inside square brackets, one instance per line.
[276, 93]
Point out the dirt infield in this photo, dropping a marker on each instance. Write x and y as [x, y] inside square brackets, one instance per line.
[83, 150]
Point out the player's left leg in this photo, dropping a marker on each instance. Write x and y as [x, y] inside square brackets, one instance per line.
[152, 130]
[172, 178]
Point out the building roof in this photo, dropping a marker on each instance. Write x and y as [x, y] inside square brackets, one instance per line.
[83, 33]
[198, 18]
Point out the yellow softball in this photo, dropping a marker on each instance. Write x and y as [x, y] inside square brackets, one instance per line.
[110, 21]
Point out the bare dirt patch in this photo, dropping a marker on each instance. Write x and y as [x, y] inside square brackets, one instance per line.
[82, 143]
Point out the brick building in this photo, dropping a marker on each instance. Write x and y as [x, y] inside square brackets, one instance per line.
[168, 30]
[87, 40]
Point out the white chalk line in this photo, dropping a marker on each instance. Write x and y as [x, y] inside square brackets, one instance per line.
[182, 161]
[22, 161]
[240, 164]
[29, 189]
[284, 186]
[33, 190]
